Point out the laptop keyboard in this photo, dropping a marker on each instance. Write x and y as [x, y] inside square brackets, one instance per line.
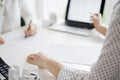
[3, 69]
[2, 77]
[71, 30]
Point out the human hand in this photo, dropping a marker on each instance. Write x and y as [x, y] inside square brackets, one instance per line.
[1, 41]
[38, 59]
[96, 20]
[44, 62]
[31, 30]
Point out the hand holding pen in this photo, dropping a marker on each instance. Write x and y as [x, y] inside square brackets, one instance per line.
[31, 30]
[2, 41]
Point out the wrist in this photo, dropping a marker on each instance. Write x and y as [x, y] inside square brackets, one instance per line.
[34, 26]
[54, 67]
[46, 65]
[97, 27]
[49, 63]
[43, 63]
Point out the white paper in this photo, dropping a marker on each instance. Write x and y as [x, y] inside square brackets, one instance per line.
[17, 38]
[76, 54]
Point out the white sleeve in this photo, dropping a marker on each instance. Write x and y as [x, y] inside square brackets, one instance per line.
[107, 66]
[27, 13]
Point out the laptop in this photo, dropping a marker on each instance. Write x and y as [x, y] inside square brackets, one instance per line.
[77, 18]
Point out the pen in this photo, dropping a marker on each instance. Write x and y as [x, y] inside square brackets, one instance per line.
[28, 27]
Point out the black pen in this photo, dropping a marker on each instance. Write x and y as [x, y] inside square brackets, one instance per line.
[28, 27]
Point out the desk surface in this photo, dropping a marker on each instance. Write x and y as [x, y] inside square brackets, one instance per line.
[64, 47]
[61, 46]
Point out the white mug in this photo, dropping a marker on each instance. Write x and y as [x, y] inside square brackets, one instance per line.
[14, 73]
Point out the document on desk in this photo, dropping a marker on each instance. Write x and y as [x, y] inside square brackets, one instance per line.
[76, 54]
[17, 38]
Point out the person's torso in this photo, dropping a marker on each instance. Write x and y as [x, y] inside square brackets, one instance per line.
[10, 15]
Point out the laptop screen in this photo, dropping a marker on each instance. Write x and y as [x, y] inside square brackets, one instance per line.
[81, 10]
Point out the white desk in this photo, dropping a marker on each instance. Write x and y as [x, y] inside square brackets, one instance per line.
[61, 46]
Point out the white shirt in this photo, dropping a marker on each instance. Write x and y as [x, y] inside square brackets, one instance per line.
[11, 12]
[107, 66]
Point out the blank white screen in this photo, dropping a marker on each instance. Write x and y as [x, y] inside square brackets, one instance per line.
[80, 10]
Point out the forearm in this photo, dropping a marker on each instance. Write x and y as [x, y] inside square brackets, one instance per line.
[54, 67]
[102, 29]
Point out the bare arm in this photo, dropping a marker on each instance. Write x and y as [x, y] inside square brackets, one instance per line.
[44, 62]
[97, 22]
[102, 29]
[54, 67]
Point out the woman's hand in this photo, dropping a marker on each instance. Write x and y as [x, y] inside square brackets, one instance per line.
[96, 20]
[1, 41]
[44, 62]
[38, 59]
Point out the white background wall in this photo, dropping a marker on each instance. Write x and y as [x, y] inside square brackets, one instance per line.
[42, 8]
[36, 7]
[55, 6]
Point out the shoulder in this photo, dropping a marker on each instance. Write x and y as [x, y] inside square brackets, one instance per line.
[116, 11]
[117, 6]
